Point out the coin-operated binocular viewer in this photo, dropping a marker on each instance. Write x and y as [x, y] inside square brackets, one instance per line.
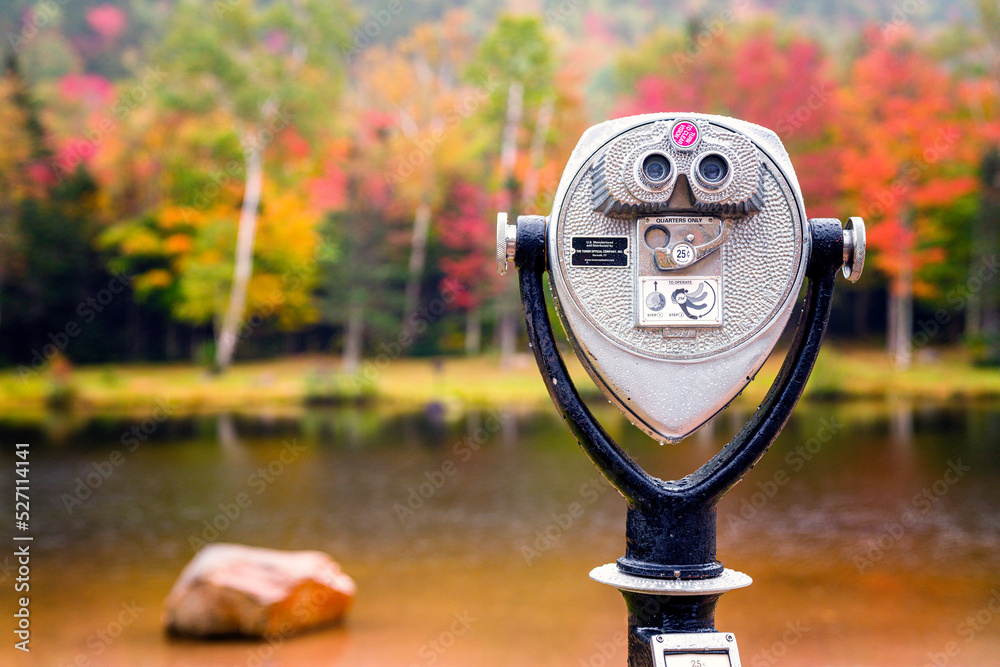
[676, 249]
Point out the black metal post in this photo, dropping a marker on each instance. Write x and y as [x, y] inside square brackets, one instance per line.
[670, 525]
[651, 615]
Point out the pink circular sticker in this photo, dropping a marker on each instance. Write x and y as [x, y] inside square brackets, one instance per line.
[684, 134]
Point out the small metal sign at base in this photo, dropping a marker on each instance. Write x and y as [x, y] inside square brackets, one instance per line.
[696, 649]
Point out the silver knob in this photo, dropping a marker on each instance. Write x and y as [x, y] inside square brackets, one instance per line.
[506, 242]
[854, 249]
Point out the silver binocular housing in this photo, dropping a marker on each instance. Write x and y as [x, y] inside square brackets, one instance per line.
[677, 247]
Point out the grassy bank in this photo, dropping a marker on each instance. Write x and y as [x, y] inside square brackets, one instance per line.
[841, 373]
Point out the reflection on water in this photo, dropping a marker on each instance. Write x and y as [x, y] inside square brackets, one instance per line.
[872, 530]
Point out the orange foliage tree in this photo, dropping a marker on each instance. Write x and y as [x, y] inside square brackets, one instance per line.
[908, 147]
[414, 84]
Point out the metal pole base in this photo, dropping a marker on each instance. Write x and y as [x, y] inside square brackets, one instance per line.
[671, 622]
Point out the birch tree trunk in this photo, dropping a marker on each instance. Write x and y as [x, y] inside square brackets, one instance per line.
[418, 260]
[983, 313]
[987, 250]
[508, 146]
[901, 318]
[246, 231]
[473, 331]
[353, 338]
[243, 266]
[973, 311]
[900, 311]
[536, 153]
[509, 310]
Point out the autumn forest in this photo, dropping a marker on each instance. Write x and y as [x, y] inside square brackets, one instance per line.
[210, 181]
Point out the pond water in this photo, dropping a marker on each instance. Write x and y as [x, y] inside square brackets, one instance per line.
[871, 530]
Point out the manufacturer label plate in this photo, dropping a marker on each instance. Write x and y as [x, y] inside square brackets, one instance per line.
[600, 251]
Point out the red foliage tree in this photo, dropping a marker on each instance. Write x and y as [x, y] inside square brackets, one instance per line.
[461, 230]
[782, 84]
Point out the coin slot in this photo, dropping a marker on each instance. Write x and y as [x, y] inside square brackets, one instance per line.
[657, 236]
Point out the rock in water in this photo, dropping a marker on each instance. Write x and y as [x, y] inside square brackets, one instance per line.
[231, 589]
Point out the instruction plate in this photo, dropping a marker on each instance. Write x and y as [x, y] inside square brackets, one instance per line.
[691, 301]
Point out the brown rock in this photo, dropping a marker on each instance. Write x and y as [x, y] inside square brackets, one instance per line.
[231, 589]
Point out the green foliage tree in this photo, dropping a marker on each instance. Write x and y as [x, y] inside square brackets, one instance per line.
[48, 264]
[517, 62]
[265, 66]
[20, 135]
[361, 254]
